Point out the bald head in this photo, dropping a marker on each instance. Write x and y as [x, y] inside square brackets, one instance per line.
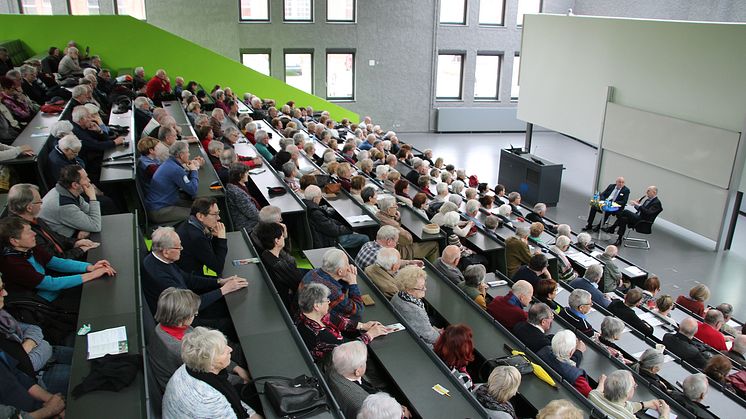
[451, 255]
[688, 327]
[619, 182]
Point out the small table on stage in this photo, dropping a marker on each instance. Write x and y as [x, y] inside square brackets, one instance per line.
[606, 207]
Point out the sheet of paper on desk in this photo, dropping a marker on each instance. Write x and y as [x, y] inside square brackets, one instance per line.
[634, 271]
[40, 134]
[499, 283]
[108, 341]
[354, 219]
[729, 344]
[654, 414]
[651, 319]
[733, 323]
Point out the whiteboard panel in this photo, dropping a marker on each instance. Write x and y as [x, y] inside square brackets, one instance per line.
[694, 205]
[690, 149]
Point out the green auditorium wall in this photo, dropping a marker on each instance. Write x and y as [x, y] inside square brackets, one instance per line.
[125, 42]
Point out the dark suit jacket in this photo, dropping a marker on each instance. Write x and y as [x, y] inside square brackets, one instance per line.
[650, 209]
[686, 349]
[579, 324]
[628, 315]
[621, 198]
[350, 395]
[531, 336]
[200, 249]
[536, 218]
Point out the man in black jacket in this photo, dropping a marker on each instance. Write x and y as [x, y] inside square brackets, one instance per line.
[281, 266]
[579, 304]
[533, 333]
[624, 310]
[647, 209]
[94, 141]
[537, 216]
[615, 192]
[327, 231]
[203, 238]
[695, 389]
[683, 345]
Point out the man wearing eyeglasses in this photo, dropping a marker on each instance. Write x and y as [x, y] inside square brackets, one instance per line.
[203, 238]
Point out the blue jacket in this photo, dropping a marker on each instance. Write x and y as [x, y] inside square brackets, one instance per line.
[596, 295]
[170, 177]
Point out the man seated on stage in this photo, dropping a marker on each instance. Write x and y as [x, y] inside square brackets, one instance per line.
[647, 209]
[615, 192]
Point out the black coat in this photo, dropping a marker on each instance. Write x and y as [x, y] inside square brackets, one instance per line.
[531, 336]
[580, 325]
[285, 276]
[324, 229]
[200, 249]
[686, 349]
[628, 315]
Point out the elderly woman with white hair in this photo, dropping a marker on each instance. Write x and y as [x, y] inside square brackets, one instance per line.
[388, 214]
[319, 333]
[649, 365]
[585, 243]
[452, 224]
[175, 313]
[501, 386]
[408, 303]
[473, 284]
[559, 357]
[614, 393]
[560, 246]
[445, 208]
[200, 388]
[380, 406]
[611, 330]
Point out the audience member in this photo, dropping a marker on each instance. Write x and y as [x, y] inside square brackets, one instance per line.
[326, 230]
[649, 366]
[559, 357]
[200, 387]
[382, 406]
[560, 409]
[389, 215]
[268, 214]
[243, 208]
[69, 65]
[316, 328]
[726, 328]
[517, 252]
[708, 331]
[383, 271]
[695, 302]
[683, 345]
[447, 264]
[663, 306]
[65, 210]
[545, 291]
[611, 330]
[285, 274]
[536, 269]
[473, 284]
[625, 311]
[589, 282]
[340, 277]
[695, 389]
[738, 352]
[614, 393]
[508, 310]
[408, 303]
[564, 267]
[203, 238]
[495, 395]
[718, 367]
[534, 331]
[650, 288]
[537, 216]
[345, 377]
[584, 242]
[612, 277]
[162, 201]
[578, 305]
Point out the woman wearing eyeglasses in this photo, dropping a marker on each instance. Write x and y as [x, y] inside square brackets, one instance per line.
[408, 302]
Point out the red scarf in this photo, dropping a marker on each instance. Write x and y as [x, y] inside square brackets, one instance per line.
[177, 332]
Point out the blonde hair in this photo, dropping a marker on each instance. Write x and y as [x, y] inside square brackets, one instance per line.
[409, 276]
[503, 383]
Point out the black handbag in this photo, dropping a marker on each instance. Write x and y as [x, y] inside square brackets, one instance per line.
[520, 362]
[294, 398]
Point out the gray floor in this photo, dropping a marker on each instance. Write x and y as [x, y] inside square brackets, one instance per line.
[680, 258]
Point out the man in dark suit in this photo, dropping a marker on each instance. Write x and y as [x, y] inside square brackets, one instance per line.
[537, 216]
[647, 209]
[615, 192]
[624, 310]
[579, 304]
[683, 345]
[533, 333]
[738, 351]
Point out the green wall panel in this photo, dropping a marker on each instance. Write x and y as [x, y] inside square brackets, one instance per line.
[125, 42]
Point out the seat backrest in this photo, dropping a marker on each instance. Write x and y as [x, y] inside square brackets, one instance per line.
[646, 226]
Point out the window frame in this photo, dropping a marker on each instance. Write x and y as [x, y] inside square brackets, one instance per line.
[518, 78]
[500, 60]
[464, 22]
[460, 96]
[492, 25]
[326, 78]
[267, 51]
[144, 8]
[285, 53]
[241, 19]
[70, 8]
[354, 14]
[310, 20]
[541, 8]
[20, 10]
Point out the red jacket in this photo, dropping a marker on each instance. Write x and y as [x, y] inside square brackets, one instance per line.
[157, 87]
[696, 307]
[710, 336]
[505, 313]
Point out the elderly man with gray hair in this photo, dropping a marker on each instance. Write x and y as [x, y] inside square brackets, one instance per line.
[94, 141]
[613, 395]
[683, 345]
[383, 271]
[537, 216]
[578, 305]
[325, 229]
[386, 237]
[517, 252]
[63, 154]
[340, 276]
[612, 277]
[162, 199]
[559, 356]
[508, 310]
[708, 331]
[695, 389]
[160, 271]
[447, 264]
[534, 332]
[590, 283]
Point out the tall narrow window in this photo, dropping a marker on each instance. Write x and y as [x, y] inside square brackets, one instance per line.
[36, 7]
[514, 87]
[340, 10]
[486, 77]
[527, 7]
[257, 61]
[298, 10]
[450, 69]
[453, 12]
[134, 8]
[254, 10]
[491, 12]
[340, 75]
[84, 7]
[299, 71]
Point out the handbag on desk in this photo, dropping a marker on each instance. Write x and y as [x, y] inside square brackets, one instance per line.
[294, 397]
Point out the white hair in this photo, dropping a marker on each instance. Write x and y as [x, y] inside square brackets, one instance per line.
[504, 210]
[270, 214]
[457, 186]
[200, 347]
[386, 202]
[540, 207]
[163, 238]
[441, 188]
[380, 406]
[523, 289]
[561, 242]
[472, 206]
[451, 219]
[79, 112]
[387, 232]
[584, 238]
[69, 142]
[695, 386]
[563, 344]
[61, 128]
[578, 297]
[387, 258]
[618, 385]
[348, 357]
[564, 230]
[594, 272]
[334, 260]
[382, 170]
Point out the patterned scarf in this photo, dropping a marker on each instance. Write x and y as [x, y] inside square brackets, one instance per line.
[410, 299]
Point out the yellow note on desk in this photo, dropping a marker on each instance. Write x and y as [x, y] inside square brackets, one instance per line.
[442, 390]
